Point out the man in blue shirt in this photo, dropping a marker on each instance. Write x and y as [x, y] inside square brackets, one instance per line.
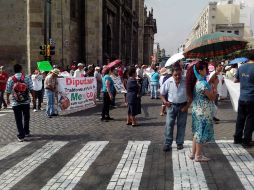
[245, 117]
[175, 90]
[108, 90]
[21, 107]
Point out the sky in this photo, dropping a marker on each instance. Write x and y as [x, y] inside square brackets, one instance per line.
[175, 18]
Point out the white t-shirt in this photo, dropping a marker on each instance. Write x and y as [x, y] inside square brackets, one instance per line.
[79, 73]
[37, 82]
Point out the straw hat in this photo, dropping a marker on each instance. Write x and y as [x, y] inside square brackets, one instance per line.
[55, 71]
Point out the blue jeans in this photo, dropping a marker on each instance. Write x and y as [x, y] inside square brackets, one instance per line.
[174, 112]
[50, 110]
[154, 88]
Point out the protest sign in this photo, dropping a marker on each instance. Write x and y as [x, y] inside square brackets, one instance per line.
[44, 66]
[118, 84]
[76, 93]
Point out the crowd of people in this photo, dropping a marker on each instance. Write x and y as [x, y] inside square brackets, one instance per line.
[178, 87]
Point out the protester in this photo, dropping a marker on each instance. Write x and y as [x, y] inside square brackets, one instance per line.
[145, 82]
[203, 95]
[50, 84]
[245, 117]
[154, 81]
[120, 72]
[73, 69]
[38, 91]
[113, 74]
[3, 80]
[173, 95]
[19, 86]
[125, 80]
[90, 71]
[216, 75]
[80, 71]
[164, 75]
[133, 90]
[98, 77]
[108, 90]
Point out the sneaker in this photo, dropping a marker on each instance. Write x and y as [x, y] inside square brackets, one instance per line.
[216, 119]
[238, 141]
[247, 145]
[104, 119]
[109, 118]
[28, 135]
[166, 148]
[54, 114]
[179, 147]
[35, 110]
[21, 139]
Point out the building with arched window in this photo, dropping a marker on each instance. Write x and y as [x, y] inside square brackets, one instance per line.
[91, 32]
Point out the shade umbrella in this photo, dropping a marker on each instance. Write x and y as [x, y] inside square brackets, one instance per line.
[114, 63]
[174, 58]
[215, 44]
[238, 60]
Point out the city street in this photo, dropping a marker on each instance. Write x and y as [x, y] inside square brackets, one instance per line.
[78, 151]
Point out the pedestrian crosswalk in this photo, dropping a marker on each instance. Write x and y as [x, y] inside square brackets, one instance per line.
[129, 165]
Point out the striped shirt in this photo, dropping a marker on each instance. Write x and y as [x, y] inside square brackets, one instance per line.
[10, 84]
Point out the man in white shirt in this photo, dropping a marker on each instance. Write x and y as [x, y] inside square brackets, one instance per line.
[37, 87]
[80, 71]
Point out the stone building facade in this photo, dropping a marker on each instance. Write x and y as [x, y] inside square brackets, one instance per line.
[90, 31]
[150, 29]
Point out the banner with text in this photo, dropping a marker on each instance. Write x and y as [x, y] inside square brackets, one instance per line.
[118, 84]
[76, 93]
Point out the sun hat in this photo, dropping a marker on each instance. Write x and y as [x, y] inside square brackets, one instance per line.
[56, 71]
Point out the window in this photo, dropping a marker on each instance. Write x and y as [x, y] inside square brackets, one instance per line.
[222, 31]
[229, 31]
[237, 32]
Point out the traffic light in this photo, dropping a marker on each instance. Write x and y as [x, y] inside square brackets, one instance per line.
[52, 50]
[43, 50]
[48, 50]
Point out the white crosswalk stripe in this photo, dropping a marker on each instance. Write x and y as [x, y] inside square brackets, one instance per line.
[130, 168]
[188, 174]
[72, 172]
[11, 148]
[241, 161]
[12, 176]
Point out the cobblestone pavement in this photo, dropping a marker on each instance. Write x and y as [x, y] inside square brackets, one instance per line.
[78, 151]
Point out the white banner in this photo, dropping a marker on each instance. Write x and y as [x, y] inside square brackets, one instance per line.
[118, 84]
[76, 93]
[234, 92]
